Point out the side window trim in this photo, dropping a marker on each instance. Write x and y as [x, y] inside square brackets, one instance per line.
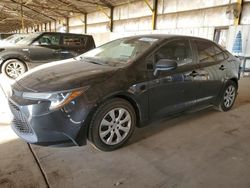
[44, 34]
[172, 40]
[224, 51]
[195, 51]
[214, 45]
[82, 38]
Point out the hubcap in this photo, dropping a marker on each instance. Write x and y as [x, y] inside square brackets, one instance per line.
[229, 96]
[115, 126]
[15, 69]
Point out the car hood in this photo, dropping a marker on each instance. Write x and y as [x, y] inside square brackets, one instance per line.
[10, 46]
[64, 75]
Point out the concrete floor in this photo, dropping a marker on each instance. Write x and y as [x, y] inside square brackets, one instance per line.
[202, 149]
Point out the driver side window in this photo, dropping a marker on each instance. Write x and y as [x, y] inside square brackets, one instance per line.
[48, 40]
[178, 50]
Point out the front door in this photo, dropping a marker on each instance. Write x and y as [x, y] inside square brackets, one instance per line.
[45, 49]
[173, 91]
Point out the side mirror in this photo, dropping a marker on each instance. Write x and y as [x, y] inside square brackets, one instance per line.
[165, 65]
[36, 43]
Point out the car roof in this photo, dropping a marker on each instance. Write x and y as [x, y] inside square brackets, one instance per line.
[46, 32]
[166, 36]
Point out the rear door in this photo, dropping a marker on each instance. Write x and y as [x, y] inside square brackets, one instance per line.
[211, 72]
[73, 45]
[173, 91]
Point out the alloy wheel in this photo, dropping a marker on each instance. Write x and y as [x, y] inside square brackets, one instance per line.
[15, 69]
[115, 126]
[229, 96]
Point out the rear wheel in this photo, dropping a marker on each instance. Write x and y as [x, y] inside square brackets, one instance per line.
[112, 124]
[13, 68]
[229, 96]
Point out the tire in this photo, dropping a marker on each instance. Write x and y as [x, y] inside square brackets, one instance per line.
[13, 68]
[112, 124]
[228, 96]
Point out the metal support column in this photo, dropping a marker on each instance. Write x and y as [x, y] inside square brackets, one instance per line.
[239, 8]
[55, 26]
[110, 16]
[67, 24]
[22, 20]
[85, 23]
[154, 12]
[111, 19]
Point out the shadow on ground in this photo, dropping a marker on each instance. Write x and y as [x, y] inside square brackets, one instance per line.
[17, 165]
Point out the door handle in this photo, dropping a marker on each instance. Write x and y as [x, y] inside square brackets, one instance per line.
[143, 87]
[222, 67]
[56, 51]
[194, 74]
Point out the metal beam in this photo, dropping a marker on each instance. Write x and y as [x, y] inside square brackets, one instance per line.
[38, 5]
[26, 17]
[91, 3]
[148, 4]
[154, 15]
[104, 12]
[106, 3]
[72, 5]
[42, 14]
[154, 12]
[239, 7]
[110, 16]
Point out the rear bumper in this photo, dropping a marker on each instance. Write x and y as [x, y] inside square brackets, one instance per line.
[56, 128]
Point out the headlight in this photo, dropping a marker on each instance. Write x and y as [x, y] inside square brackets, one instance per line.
[1, 60]
[57, 100]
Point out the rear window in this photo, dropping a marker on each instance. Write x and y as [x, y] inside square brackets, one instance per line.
[70, 40]
[209, 52]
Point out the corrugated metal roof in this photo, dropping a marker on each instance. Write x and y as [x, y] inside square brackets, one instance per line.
[41, 11]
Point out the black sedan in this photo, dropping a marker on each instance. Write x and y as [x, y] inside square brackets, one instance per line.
[103, 94]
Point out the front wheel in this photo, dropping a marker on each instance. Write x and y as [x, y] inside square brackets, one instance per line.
[112, 124]
[13, 68]
[229, 96]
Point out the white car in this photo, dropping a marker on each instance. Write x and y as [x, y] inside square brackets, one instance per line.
[12, 40]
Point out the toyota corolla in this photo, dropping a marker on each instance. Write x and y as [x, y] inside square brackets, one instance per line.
[102, 95]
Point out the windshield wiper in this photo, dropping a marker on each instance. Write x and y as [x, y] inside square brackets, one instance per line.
[93, 60]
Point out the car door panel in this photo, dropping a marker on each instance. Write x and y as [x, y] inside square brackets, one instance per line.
[213, 69]
[73, 45]
[172, 91]
[44, 54]
[45, 49]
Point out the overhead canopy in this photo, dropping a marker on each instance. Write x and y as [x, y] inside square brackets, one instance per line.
[43, 11]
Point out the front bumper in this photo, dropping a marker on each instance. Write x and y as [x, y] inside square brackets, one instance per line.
[35, 124]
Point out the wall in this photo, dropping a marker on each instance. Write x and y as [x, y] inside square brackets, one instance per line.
[193, 17]
[173, 18]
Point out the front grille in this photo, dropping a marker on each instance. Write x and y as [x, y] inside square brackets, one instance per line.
[19, 121]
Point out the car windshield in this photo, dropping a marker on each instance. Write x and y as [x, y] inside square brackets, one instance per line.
[28, 39]
[9, 38]
[15, 38]
[119, 52]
